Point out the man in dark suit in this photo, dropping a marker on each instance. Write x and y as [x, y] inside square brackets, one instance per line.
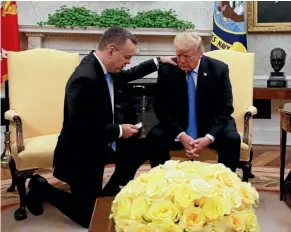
[194, 103]
[90, 137]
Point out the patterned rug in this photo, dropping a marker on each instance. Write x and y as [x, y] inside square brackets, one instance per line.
[267, 179]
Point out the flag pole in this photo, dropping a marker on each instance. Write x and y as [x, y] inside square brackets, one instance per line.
[9, 42]
[5, 156]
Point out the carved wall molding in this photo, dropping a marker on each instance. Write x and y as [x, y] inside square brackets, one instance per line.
[34, 34]
[95, 32]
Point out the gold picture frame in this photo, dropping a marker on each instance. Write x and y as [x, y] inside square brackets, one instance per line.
[254, 24]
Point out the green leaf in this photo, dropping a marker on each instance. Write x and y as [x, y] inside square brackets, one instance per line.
[83, 17]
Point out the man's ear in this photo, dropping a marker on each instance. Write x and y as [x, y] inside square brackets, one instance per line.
[110, 52]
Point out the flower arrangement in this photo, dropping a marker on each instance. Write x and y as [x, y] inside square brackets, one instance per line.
[184, 197]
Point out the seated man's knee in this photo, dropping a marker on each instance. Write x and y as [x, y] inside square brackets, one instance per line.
[155, 135]
[233, 137]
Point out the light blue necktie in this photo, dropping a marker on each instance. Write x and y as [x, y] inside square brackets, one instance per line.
[108, 78]
[192, 126]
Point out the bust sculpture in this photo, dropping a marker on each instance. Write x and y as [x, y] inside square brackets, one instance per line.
[277, 59]
[277, 79]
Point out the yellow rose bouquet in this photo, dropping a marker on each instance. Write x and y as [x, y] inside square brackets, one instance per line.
[186, 197]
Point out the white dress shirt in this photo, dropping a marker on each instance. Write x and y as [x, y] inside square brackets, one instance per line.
[196, 70]
[111, 88]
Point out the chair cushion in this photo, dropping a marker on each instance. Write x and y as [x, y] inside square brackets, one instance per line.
[38, 152]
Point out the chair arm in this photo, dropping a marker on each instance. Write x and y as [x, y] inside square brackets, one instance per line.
[14, 117]
[10, 114]
[251, 111]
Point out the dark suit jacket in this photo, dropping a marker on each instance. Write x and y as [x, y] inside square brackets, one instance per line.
[213, 98]
[88, 119]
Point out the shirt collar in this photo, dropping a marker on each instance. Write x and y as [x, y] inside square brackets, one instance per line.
[196, 70]
[102, 65]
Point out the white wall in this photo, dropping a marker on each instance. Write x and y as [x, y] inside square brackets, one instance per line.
[198, 12]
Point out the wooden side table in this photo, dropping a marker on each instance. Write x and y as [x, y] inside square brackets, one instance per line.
[100, 221]
[285, 126]
[272, 93]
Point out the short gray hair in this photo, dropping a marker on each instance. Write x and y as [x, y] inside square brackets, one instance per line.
[116, 36]
[188, 40]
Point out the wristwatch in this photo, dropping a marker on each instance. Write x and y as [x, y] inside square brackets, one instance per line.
[159, 60]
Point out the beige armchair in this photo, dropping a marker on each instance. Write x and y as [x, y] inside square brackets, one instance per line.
[241, 72]
[37, 80]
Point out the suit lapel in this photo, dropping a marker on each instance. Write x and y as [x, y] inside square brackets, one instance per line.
[103, 88]
[182, 81]
[202, 79]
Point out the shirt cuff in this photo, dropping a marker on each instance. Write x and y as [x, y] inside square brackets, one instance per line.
[178, 137]
[211, 137]
[156, 62]
[120, 131]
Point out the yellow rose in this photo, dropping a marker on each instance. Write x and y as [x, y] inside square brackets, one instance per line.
[220, 187]
[232, 196]
[133, 189]
[197, 169]
[184, 196]
[243, 207]
[121, 209]
[235, 199]
[192, 219]
[249, 194]
[141, 228]
[166, 226]
[123, 225]
[171, 165]
[203, 188]
[187, 166]
[155, 174]
[230, 179]
[219, 167]
[157, 190]
[200, 201]
[215, 208]
[221, 226]
[139, 208]
[163, 211]
[175, 176]
[212, 228]
[251, 221]
[204, 170]
[191, 176]
[227, 205]
[237, 222]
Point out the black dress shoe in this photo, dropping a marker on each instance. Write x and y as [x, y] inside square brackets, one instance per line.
[37, 181]
[251, 175]
[35, 195]
[34, 202]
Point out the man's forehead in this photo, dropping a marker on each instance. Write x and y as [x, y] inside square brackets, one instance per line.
[129, 47]
[186, 51]
[277, 54]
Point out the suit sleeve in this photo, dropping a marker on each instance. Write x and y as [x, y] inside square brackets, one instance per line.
[226, 104]
[82, 108]
[136, 72]
[163, 101]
